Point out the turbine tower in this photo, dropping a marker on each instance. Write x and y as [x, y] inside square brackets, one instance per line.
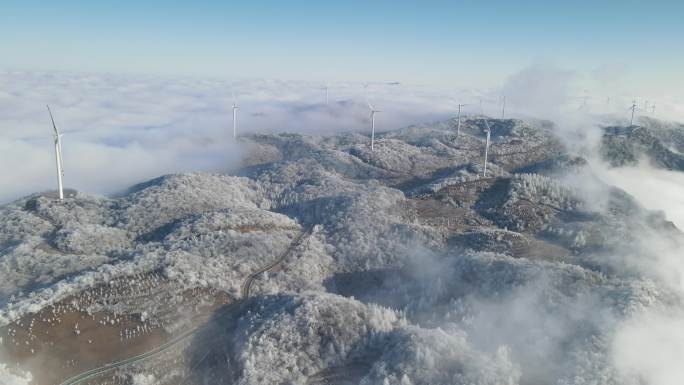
[633, 108]
[373, 111]
[503, 108]
[235, 108]
[58, 156]
[326, 88]
[488, 131]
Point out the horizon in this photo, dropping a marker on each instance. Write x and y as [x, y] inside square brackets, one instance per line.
[125, 129]
[153, 81]
[468, 44]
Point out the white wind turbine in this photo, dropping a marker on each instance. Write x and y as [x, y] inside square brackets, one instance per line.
[235, 109]
[373, 111]
[503, 108]
[583, 105]
[58, 156]
[488, 131]
[633, 108]
[326, 88]
[458, 125]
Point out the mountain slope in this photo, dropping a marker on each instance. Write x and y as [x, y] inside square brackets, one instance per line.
[414, 269]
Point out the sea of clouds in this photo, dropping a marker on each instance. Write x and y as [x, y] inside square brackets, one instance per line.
[120, 130]
[124, 129]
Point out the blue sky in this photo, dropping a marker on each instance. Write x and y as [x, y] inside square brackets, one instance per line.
[460, 43]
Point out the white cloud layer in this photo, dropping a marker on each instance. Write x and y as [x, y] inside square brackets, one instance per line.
[120, 130]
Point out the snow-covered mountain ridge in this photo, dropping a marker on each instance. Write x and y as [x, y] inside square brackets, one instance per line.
[418, 269]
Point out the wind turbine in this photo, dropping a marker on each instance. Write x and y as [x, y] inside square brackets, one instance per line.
[326, 88]
[503, 108]
[584, 102]
[458, 126]
[373, 111]
[653, 108]
[235, 109]
[633, 108]
[488, 131]
[58, 156]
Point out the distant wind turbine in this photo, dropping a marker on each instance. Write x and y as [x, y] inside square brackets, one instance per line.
[633, 108]
[503, 108]
[584, 102]
[58, 156]
[653, 108]
[326, 88]
[235, 109]
[373, 111]
[488, 131]
[458, 125]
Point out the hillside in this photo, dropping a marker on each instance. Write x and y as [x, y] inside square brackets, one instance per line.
[403, 265]
[660, 143]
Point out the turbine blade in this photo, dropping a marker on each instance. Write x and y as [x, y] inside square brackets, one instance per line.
[54, 126]
[487, 124]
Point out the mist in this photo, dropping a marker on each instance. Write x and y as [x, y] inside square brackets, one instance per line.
[643, 341]
[9, 376]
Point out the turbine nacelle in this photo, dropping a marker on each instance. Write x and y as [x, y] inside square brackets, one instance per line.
[372, 109]
[235, 105]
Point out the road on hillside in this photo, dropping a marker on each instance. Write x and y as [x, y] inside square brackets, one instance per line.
[246, 285]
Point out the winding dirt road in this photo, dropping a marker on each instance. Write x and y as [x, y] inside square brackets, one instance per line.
[246, 286]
